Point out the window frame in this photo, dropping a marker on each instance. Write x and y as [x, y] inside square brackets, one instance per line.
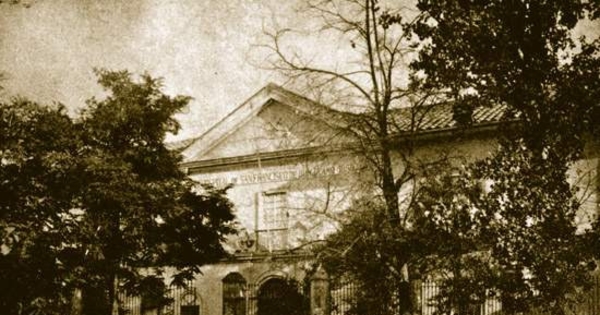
[272, 234]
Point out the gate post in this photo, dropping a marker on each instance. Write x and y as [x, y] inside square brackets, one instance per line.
[76, 302]
[319, 293]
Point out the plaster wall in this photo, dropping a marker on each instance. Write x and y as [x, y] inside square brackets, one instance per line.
[275, 127]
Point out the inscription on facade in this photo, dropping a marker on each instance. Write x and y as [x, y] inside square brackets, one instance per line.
[273, 174]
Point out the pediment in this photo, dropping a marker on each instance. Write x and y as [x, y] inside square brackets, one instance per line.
[277, 127]
[272, 120]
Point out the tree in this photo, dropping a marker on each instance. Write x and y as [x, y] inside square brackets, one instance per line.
[522, 54]
[384, 115]
[36, 162]
[451, 232]
[362, 252]
[486, 241]
[106, 200]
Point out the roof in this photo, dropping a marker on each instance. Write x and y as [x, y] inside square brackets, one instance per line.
[421, 120]
[441, 117]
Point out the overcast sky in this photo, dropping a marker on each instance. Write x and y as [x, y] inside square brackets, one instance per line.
[49, 50]
[200, 48]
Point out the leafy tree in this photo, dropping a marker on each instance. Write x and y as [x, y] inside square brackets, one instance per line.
[100, 198]
[522, 54]
[37, 148]
[363, 252]
[486, 241]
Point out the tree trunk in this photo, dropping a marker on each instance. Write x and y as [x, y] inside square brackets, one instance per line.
[407, 291]
[113, 294]
[388, 186]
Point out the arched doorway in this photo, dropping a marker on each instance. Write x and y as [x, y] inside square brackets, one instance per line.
[282, 297]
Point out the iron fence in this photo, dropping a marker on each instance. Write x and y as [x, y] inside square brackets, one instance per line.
[183, 301]
[344, 298]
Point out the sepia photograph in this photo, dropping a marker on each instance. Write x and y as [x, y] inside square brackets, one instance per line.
[299, 157]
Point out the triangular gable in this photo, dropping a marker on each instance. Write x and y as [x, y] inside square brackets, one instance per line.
[237, 127]
[242, 121]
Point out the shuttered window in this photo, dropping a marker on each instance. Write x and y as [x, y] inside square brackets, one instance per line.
[273, 221]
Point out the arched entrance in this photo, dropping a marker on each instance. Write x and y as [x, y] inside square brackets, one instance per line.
[282, 297]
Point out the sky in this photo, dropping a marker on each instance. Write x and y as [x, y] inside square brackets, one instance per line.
[200, 48]
[205, 49]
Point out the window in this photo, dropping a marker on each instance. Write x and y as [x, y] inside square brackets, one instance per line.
[190, 310]
[273, 221]
[234, 294]
[189, 300]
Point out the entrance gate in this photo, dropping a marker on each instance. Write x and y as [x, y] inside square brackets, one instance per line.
[281, 297]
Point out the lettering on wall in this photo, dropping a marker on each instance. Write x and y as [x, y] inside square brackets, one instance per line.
[266, 175]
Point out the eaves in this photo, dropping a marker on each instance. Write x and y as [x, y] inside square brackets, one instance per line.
[419, 138]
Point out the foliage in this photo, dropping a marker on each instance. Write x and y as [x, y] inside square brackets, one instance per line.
[532, 206]
[522, 54]
[89, 202]
[365, 252]
[485, 239]
[450, 229]
[36, 161]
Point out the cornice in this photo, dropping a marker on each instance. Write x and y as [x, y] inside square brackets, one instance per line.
[259, 256]
[282, 155]
[294, 154]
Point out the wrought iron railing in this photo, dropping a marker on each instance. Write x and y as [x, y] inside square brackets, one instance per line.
[344, 298]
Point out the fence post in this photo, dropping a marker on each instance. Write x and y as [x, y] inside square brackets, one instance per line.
[319, 293]
[76, 302]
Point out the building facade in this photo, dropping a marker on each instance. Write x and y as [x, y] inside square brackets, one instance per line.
[290, 170]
